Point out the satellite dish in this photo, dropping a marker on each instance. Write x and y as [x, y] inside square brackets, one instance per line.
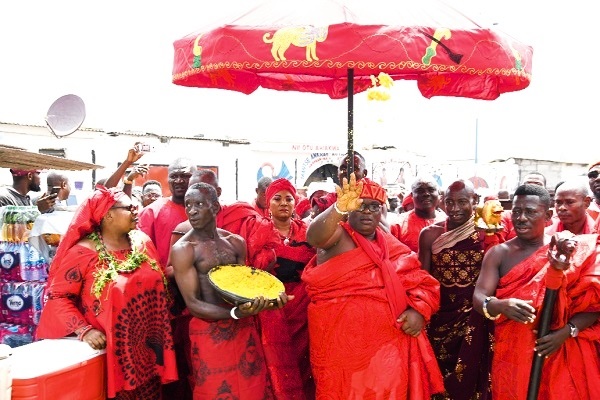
[65, 115]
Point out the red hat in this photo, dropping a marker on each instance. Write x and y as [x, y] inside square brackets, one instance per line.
[407, 200]
[372, 190]
[23, 172]
[277, 186]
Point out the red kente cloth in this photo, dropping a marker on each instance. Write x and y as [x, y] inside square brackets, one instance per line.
[409, 227]
[228, 360]
[131, 311]
[261, 238]
[284, 333]
[158, 221]
[460, 336]
[357, 349]
[573, 372]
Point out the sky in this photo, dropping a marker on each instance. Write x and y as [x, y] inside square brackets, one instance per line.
[117, 56]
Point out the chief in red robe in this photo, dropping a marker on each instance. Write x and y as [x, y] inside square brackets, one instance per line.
[357, 351]
[369, 303]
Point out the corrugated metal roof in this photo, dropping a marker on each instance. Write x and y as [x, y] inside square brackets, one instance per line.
[14, 157]
[141, 134]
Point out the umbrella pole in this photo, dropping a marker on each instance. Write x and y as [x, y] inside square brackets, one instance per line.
[544, 327]
[350, 121]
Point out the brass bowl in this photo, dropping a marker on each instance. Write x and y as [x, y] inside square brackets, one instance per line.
[238, 284]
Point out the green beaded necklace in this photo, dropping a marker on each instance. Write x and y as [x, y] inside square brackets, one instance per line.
[112, 267]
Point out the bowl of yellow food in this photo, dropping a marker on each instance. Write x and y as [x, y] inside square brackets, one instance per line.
[239, 284]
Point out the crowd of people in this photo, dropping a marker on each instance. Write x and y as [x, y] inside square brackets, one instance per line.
[385, 297]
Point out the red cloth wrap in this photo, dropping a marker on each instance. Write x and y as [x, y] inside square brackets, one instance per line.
[356, 348]
[227, 360]
[574, 369]
[277, 186]
[260, 235]
[302, 207]
[409, 227]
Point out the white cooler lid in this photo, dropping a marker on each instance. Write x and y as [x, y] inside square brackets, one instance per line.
[49, 355]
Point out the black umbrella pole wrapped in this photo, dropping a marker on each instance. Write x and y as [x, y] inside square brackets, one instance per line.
[350, 122]
[543, 329]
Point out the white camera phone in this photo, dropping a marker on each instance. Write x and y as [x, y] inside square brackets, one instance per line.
[145, 147]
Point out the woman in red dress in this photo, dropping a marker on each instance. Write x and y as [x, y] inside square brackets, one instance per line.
[107, 288]
[285, 331]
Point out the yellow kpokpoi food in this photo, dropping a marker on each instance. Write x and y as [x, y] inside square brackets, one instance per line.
[247, 282]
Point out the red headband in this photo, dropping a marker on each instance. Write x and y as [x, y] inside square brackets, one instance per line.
[277, 186]
[372, 190]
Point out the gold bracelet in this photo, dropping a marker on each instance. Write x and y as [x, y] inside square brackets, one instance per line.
[127, 182]
[338, 210]
[485, 311]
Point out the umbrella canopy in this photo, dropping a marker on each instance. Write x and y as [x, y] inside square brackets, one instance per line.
[310, 46]
[334, 47]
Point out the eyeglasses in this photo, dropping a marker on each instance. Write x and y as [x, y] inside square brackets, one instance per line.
[593, 174]
[373, 207]
[130, 208]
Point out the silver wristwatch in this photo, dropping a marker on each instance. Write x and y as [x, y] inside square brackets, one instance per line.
[574, 330]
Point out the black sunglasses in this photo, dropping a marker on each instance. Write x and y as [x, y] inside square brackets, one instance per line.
[593, 174]
[130, 208]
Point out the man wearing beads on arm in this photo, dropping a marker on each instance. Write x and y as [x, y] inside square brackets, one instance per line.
[224, 339]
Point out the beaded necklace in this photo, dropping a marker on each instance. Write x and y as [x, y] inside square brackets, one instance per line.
[112, 267]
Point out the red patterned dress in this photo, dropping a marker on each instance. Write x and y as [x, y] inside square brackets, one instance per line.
[132, 311]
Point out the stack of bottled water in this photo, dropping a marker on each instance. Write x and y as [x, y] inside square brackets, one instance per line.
[23, 273]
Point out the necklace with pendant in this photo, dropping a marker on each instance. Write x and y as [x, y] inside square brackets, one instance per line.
[286, 239]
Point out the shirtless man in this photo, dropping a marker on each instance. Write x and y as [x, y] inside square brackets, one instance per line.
[220, 335]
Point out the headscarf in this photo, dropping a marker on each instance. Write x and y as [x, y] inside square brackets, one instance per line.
[372, 190]
[278, 185]
[87, 217]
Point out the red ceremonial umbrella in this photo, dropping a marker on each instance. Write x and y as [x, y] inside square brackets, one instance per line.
[333, 47]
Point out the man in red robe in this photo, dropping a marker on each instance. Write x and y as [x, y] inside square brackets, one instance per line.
[594, 182]
[571, 202]
[510, 290]
[259, 203]
[158, 221]
[159, 218]
[370, 301]
[425, 193]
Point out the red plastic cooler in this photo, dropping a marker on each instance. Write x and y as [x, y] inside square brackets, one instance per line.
[54, 369]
